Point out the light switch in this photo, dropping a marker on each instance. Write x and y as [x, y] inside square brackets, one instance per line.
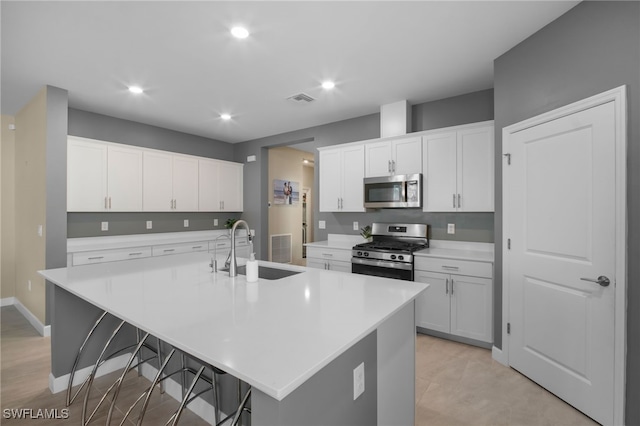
[215, 222]
[149, 224]
[322, 224]
[355, 226]
[104, 226]
[451, 228]
[186, 223]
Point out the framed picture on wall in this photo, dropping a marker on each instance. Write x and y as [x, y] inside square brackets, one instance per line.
[286, 192]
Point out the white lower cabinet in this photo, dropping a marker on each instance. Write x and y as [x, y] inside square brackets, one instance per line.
[329, 258]
[460, 305]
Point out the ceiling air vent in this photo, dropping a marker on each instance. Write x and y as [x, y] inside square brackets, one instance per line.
[301, 97]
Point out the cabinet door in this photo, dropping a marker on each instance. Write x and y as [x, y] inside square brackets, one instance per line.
[230, 179]
[124, 176]
[339, 266]
[352, 199]
[475, 170]
[316, 263]
[185, 183]
[86, 176]
[378, 156]
[439, 172]
[208, 186]
[330, 180]
[471, 307]
[407, 156]
[432, 306]
[157, 182]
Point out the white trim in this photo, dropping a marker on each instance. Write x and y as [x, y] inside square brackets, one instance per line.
[59, 384]
[499, 356]
[43, 330]
[619, 97]
[7, 301]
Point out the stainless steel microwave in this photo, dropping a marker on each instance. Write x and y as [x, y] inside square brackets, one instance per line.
[399, 191]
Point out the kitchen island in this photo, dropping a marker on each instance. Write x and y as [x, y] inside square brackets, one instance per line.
[295, 340]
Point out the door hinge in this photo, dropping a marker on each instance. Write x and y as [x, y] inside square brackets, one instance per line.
[508, 243]
[508, 158]
[508, 328]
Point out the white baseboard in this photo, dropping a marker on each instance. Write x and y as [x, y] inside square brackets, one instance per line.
[7, 301]
[499, 356]
[59, 384]
[43, 330]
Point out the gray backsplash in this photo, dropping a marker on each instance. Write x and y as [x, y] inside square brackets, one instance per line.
[477, 227]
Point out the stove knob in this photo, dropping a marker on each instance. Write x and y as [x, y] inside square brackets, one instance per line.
[359, 253]
[366, 254]
[393, 256]
[401, 257]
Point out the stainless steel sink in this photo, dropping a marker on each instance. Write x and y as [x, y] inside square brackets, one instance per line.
[266, 273]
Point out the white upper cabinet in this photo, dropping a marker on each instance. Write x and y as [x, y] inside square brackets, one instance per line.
[170, 182]
[394, 157]
[103, 176]
[459, 170]
[341, 176]
[220, 186]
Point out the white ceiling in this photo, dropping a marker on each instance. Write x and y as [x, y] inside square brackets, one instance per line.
[192, 69]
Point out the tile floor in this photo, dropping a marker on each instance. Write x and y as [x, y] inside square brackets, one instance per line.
[456, 384]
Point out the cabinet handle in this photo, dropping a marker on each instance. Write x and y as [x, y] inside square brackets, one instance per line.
[105, 203]
[135, 254]
[446, 286]
[458, 200]
[169, 250]
[109, 203]
[454, 201]
[341, 203]
[455, 268]
[393, 166]
[389, 166]
[338, 203]
[96, 258]
[222, 204]
[327, 254]
[452, 286]
[220, 244]
[196, 247]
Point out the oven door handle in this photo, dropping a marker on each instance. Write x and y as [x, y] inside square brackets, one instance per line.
[383, 263]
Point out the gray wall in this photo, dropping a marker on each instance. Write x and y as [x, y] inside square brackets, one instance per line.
[592, 48]
[56, 187]
[464, 109]
[102, 127]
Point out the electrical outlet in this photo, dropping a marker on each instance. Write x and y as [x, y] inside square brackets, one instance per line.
[186, 223]
[451, 228]
[104, 226]
[29, 284]
[322, 224]
[215, 222]
[149, 224]
[358, 381]
[355, 226]
[39, 230]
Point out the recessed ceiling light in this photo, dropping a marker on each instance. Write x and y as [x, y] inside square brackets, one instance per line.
[136, 89]
[225, 116]
[240, 32]
[328, 85]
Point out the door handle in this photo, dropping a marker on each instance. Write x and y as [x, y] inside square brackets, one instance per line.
[602, 280]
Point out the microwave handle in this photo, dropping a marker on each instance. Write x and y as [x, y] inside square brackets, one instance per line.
[404, 191]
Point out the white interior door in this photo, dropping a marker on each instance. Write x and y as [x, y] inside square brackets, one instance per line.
[562, 224]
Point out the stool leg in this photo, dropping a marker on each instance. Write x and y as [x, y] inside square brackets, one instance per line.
[156, 379]
[178, 413]
[216, 402]
[243, 404]
[86, 420]
[70, 399]
[120, 380]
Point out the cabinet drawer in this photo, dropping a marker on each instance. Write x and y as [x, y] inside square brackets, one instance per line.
[329, 254]
[452, 266]
[101, 256]
[224, 244]
[167, 249]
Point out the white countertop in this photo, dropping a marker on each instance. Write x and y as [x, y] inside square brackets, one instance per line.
[273, 335]
[460, 250]
[338, 241]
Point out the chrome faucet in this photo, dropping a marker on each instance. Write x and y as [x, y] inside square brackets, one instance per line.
[214, 261]
[233, 265]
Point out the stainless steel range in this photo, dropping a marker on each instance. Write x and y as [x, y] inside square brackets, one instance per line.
[390, 253]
